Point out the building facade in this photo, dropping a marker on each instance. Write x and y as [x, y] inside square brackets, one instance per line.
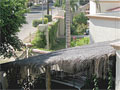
[104, 20]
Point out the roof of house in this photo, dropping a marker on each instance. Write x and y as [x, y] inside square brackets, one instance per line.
[114, 9]
[94, 58]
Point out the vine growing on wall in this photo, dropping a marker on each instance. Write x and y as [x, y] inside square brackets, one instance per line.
[95, 83]
[110, 82]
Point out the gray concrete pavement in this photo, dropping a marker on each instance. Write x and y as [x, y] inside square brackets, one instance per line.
[35, 13]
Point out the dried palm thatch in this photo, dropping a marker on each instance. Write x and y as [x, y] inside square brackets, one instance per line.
[92, 59]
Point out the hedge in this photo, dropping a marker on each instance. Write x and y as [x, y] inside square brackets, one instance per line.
[40, 39]
[80, 42]
[37, 22]
[53, 34]
[49, 17]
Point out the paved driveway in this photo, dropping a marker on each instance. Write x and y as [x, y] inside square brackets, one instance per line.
[35, 13]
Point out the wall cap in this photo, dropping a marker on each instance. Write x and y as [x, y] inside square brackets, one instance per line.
[116, 45]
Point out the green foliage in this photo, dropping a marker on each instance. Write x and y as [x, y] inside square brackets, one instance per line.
[37, 22]
[95, 83]
[79, 30]
[57, 4]
[49, 17]
[80, 42]
[29, 4]
[11, 19]
[79, 19]
[53, 33]
[83, 2]
[110, 82]
[39, 40]
[79, 24]
[73, 4]
[60, 44]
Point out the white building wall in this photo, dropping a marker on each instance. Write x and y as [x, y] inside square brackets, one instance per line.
[117, 70]
[104, 30]
[92, 7]
[106, 6]
[103, 5]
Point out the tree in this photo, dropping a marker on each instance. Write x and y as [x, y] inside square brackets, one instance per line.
[11, 19]
[79, 24]
[68, 33]
[74, 5]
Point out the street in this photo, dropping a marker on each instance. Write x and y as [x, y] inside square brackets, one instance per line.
[35, 13]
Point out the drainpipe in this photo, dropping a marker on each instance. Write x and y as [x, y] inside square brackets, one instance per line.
[116, 46]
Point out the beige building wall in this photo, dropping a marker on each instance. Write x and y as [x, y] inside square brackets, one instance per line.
[104, 30]
[106, 6]
[116, 45]
[117, 84]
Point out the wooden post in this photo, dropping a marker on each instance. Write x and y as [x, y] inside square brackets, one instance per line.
[48, 78]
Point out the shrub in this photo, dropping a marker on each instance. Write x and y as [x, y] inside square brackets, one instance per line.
[79, 24]
[39, 40]
[49, 17]
[29, 4]
[57, 4]
[37, 22]
[79, 42]
[79, 30]
[53, 33]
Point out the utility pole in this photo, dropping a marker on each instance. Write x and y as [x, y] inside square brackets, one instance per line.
[68, 32]
[42, 13]
[47, 7]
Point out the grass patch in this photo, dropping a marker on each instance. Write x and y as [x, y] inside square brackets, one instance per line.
[60, 43]
[80, 42]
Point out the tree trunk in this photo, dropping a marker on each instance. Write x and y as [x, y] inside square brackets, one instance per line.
[68, 32]
[0, 37]
[47, 7]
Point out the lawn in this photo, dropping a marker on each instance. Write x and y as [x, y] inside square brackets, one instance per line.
[60, 43]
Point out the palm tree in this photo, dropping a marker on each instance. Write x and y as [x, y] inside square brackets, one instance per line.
[74, 5]
[47, 7]
[68, 32]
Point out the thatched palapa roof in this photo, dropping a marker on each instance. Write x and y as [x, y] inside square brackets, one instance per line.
[94, 58]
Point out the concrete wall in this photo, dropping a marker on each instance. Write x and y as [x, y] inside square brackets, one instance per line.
[61, 28]
[106, 6]
[104, 30]
[92, 7]
[118, 70]
[103, 5]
